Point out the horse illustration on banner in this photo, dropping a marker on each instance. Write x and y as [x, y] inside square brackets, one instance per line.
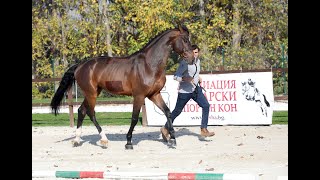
[251, 93]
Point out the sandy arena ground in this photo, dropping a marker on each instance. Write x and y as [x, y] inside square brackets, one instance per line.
[258, 150]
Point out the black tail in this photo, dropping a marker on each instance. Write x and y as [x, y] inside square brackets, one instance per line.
[65, 84]
[265, 100]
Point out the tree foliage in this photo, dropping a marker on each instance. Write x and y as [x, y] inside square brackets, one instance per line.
[238, 34]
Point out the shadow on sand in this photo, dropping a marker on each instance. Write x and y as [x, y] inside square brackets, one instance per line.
[136, 137]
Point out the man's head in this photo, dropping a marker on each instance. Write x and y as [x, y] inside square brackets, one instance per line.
[196, 51]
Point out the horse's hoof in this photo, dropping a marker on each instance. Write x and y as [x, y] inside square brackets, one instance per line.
[104, 143]
[172, 142]
[165, 134]
[75, 143]
[129, 146]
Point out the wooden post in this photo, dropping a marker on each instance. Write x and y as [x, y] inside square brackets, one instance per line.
[221, 68]
[144, 116]
[71, 116]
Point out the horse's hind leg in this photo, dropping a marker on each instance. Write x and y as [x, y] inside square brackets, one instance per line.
[137, 103]
[92, 114]
[263, 108]
[104, 139]
[158, 100]
[81, 114]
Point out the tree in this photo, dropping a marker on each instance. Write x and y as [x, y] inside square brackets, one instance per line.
[237, 34]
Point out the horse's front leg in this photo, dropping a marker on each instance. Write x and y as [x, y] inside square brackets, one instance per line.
[137, 103]
[159, 102]
[172, 141]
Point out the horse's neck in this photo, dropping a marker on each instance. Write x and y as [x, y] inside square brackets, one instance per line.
[159, 52]
[159, 56]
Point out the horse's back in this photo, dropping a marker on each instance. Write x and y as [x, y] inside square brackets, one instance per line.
[125, 76]
[101, 71]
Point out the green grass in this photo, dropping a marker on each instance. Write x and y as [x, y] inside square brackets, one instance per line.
[104, 118]
[116, 118]
[280, 117]
[122, 98]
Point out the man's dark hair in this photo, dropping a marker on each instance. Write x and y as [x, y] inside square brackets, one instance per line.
[195, 47]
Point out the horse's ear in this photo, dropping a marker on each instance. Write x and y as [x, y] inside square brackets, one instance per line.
[180, 28]
[183, 28]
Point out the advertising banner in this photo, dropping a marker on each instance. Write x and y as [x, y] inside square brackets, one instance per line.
[235, 99]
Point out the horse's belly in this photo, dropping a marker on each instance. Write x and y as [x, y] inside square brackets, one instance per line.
[117, 87]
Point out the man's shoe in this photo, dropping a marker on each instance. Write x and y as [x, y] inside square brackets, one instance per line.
[165, 134]
[206, 133]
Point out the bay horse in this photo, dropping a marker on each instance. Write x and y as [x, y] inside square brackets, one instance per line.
[139, 75]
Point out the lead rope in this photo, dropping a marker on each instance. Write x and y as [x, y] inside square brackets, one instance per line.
[195, 90]
[198, 80]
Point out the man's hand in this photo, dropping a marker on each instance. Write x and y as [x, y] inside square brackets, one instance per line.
[200, 80]
[187, 79]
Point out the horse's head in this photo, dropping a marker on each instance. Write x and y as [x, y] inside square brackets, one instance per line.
[248, 91]
[182, 45]
[244, 87]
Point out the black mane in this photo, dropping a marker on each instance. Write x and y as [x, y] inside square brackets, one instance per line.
[157, 37]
